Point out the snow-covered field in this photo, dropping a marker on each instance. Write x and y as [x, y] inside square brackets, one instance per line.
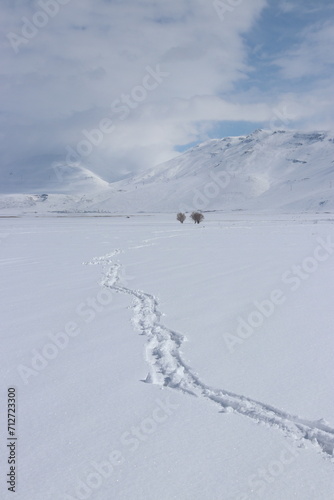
[158, 361]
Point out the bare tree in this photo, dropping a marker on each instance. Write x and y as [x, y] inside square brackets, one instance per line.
[181, 217]
[197, 217]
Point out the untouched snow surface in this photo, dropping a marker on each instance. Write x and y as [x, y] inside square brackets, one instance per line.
[154, 360]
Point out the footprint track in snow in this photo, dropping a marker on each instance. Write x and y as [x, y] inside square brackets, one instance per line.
[168, 369]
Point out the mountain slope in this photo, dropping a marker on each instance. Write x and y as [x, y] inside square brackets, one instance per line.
[266, 170]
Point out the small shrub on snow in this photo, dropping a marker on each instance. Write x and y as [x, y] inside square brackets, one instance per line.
[181, 217]
[197, 217]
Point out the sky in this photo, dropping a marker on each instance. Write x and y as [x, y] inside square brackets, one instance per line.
[119, 86]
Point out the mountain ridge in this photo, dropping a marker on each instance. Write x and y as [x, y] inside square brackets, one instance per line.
[266, 170]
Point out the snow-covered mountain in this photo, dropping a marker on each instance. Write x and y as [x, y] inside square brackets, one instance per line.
[266, 170]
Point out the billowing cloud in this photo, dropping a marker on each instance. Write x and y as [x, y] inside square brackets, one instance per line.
[119, 84]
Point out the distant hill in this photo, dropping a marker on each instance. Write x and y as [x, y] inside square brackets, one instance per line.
[264, 171]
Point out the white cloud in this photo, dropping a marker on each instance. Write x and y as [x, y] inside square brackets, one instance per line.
[92, 52]
[308, 66]
[313, 55]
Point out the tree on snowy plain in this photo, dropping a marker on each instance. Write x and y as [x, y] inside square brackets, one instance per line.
[181, 217]
[197, 217]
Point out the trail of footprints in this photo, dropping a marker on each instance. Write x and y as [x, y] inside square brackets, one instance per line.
[167, 368]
